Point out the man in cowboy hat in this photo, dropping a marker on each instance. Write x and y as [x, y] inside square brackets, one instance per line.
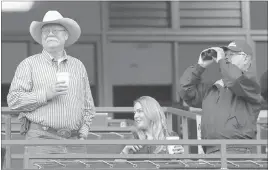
[231, 105]
[52, 108]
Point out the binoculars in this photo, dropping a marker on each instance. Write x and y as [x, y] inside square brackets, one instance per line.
[210, 54]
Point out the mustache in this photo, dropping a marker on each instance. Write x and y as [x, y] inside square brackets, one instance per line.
[51, 38]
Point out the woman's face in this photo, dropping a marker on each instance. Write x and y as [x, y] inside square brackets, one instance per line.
[141, 121]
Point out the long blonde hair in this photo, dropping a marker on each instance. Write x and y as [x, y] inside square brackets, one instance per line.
[155, 114]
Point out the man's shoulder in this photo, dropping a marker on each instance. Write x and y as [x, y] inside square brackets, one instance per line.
[30, 59]
[71, 58]
[35, 56]
[75, 60]
[238, 100]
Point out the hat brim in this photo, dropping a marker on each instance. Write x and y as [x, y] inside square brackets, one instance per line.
[70, 25]
[226, 48]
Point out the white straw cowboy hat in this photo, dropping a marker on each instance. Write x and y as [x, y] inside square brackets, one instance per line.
[54, 17]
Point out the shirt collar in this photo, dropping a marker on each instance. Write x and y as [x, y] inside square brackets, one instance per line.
[51, 59]
[219, 83]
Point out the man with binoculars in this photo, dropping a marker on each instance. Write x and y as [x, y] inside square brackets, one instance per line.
[232, 104]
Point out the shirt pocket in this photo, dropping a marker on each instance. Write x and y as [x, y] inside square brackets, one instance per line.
[76, 86]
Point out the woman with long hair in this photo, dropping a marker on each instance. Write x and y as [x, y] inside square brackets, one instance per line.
[150, 124]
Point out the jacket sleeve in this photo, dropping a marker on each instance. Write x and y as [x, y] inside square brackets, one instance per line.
[241, 83]
[192, 91]
[263, 83]
[21, 96]
[89, 110]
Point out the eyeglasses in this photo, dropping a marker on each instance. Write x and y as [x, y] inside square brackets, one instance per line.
[232, 54]
[55, 31]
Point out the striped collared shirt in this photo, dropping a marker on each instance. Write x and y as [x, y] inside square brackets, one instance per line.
[35, 75]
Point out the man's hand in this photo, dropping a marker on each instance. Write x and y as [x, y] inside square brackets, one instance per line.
[204, 63]
[60, 88]
[82, 137]
[134, 148]
[178, 149]
[220, 53]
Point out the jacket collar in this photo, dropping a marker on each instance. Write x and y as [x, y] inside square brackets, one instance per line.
[219, 84]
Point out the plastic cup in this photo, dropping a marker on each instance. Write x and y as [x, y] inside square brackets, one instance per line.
[171, 147]
[63, 76]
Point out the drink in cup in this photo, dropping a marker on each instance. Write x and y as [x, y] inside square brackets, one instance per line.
[171, 147]
[63, 76]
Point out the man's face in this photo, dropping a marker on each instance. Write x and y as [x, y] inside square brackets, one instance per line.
[240, 59]
[53, 36]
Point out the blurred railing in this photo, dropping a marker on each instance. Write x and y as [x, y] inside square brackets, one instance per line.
[155, 161]
[7, 114]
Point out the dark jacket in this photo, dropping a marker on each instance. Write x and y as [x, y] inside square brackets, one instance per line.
[264, 90]
[264, 85]
[229, 112]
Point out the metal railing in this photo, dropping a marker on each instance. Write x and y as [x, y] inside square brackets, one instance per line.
[7, 114]
[110, 159]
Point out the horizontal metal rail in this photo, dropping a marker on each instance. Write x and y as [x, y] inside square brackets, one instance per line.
[145, 156]
[224, 157]
[178, 112]
[192, 114]
[134, 142]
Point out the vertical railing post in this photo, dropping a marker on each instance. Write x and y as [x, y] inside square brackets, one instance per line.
[198, 128]
[8, 137]
[26, 158]
[185, 133]
[169, 122]
[223, 156]
[258, 137]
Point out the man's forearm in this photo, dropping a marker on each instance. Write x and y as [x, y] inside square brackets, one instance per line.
[191, 88]
[241, 83]
[26, 101]
[84, 130]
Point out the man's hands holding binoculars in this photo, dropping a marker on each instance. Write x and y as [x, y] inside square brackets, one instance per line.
[208, 56]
